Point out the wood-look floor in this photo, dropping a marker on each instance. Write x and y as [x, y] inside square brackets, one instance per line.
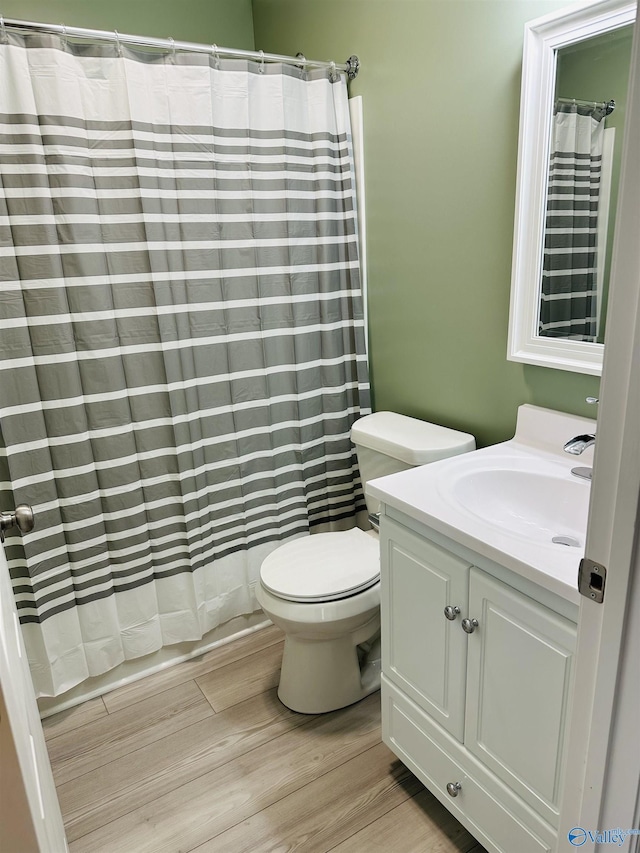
[203, 757]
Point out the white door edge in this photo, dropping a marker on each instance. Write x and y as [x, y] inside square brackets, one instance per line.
[603, 771]
[33, 766]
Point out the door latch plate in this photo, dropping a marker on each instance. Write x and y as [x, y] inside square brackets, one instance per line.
[592, 578]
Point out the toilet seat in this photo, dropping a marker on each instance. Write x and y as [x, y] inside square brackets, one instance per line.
[322, 567]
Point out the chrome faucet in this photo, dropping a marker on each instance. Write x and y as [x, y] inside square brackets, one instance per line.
[576, 446]
[579, 444]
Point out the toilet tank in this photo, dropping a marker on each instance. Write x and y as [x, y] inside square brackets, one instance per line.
[387, 442]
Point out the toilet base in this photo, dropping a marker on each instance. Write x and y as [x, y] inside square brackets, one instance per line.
[322, 675]
[331, 655]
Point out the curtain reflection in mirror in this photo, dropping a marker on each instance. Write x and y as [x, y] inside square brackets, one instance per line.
[568, 303]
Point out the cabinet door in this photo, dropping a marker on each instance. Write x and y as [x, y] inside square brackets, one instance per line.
[423, 652]
[519, 672]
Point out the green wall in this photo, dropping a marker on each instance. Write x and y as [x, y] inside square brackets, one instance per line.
[228, 23]
[440, 81]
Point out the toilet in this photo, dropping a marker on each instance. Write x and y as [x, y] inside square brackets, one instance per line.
[323, 590]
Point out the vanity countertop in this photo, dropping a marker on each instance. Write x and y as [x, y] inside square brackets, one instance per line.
[508, 502]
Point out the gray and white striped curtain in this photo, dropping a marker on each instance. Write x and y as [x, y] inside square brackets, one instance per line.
[568, 305]
[181, 338]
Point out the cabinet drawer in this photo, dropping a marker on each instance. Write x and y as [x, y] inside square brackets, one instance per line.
[403, 730]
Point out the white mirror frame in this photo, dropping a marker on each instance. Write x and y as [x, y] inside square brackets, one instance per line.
[543, 38]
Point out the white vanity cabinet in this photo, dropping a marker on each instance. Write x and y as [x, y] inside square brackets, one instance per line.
[480, 715]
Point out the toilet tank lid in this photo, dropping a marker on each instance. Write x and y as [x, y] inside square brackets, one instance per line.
[410, 440]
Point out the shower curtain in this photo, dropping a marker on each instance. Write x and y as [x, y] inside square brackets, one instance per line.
[181, 338]
[568, 305]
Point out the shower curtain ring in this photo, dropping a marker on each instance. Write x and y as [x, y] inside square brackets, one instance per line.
[118, 45]
[64, 37]
[173, 48]
[216, 57]
[4, 38]
[333, 76]
[261, 52]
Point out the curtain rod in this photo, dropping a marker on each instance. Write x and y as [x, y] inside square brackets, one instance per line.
[350, 67]
[607, 106]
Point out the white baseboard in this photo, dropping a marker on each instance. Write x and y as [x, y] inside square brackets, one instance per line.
[133, 670]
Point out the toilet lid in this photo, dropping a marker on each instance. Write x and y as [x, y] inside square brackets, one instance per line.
[323, 567]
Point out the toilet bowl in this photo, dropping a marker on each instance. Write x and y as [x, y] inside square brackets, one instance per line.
[323, 590]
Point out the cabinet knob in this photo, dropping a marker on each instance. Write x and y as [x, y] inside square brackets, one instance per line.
[453, 788]
[451, 611]
[469, 625]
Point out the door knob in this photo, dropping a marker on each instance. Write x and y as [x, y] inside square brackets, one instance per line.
[469, 625]
[21, 517]
[453, 788]
[451, 611]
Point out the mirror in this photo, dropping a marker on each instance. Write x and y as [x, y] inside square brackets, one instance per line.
[569, 143]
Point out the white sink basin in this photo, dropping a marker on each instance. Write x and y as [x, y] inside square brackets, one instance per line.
[541, 507]
[515, 503]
